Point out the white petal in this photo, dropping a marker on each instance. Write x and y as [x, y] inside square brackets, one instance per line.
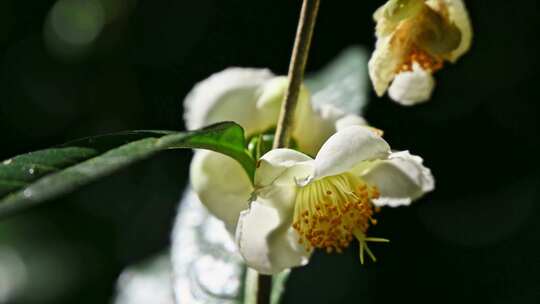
[265, 236]
[401, 179]
[309, 129]
[457, 13]
[383, 64]
[316, 126]
[312, 126]
[350, 120]
[272, 94]
[228, 95]
[221, 184]
[389, 16]
[347, 148]
[412, 87]
[378, 15]
[282, 166]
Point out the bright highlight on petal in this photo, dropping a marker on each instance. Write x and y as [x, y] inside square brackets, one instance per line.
[230, 95]
[225, 197]
[348, 147]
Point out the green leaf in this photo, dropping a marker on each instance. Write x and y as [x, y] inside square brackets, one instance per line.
[343, 83]
[38, 176]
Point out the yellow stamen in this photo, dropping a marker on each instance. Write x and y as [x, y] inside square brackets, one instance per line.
[331, 211]
[422, 58]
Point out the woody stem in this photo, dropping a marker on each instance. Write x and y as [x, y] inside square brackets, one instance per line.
[306, 25]
[302, 43]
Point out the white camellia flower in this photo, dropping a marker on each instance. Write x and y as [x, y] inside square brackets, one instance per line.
[251, 98]
[414, 38]
[301, 204]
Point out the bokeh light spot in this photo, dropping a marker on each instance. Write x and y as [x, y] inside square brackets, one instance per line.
[72, 26]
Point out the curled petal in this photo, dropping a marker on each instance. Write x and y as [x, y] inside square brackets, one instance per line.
[347, 148]
[401, 179]
[264, 234]
[269, 102]
[282, 167]
[457, 14]
[221, 184]
[378, 15]
[392, 12]
[412, 87]
[228, 95]
[314, 128]
[383, 64]
[350, 120]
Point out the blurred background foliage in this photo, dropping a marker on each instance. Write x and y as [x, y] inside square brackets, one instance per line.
[73, 68]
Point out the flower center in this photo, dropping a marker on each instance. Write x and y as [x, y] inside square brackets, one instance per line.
[330, 211]
[422, 58]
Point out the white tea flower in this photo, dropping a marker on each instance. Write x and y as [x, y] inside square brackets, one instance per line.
[251, 98]
[414, 39]
[301, 204]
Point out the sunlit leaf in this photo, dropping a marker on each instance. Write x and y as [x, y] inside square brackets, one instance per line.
[34, 177]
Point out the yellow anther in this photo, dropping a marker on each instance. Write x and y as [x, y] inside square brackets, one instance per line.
[329, 211]
[422, 58]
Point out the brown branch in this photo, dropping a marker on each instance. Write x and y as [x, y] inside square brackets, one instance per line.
[297, 66]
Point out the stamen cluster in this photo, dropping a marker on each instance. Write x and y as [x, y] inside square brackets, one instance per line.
[330, 211]
[422, 58]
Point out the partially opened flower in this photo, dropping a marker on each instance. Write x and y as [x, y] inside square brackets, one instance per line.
[414, 39]
[301, 204]
[252, 98]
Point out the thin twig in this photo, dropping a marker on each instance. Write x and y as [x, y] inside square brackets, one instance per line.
[299, 57]
[297, 66]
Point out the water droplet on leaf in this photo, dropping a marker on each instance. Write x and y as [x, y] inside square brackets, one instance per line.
[27, 193]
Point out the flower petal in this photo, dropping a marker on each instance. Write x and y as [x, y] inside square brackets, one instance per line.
[265, 236]
[401, 179]
[457, 13]
[264, 233]
[282, 166]
[312, 125]
[393, 12]
[383, 64]
[221, 184]
[272, 96]
[228, 95]
[347, 148]
[316, 126]
[410, 88]
[350, 120]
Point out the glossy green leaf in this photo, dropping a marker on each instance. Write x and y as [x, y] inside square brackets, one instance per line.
[34, 177]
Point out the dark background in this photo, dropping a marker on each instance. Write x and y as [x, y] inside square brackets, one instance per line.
[476, 238]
